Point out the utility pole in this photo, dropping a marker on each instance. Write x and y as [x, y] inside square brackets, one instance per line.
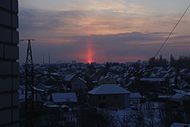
[29, 84]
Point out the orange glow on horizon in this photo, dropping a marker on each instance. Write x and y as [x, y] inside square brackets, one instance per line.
[90, 53]
[89, 62]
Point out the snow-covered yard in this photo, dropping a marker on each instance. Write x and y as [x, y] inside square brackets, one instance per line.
[147, 114]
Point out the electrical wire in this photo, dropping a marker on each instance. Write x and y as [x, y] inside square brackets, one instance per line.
[168, 37]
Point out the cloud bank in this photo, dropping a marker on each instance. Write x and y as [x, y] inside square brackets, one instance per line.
[113, 33]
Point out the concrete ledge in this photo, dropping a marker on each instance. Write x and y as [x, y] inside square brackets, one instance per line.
[6, 38]
[1, 51]
[6, 100]
[6, 4]
[11, 52]
[6, 117]
[8, 84]
[5, 35]
[15, 68]
[5, 67]
[5, 18]
[15, 37]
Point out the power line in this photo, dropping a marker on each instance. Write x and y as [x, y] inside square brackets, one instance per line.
[29, 83]
[168, 37]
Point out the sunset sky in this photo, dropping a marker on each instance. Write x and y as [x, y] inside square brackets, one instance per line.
[102, 30]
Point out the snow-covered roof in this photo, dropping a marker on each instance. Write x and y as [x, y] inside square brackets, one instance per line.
[82, 80]
[69, 77]
[135, 95]
[108, 89]
[180, 91]
[180, 125]
[43, 86]
[153, 79]
[38, 89]
[177, 96]
[187, 93]
[50, 105]
[64, 97]
[132, 78]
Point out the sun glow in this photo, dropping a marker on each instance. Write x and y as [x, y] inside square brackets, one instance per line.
[90, 53]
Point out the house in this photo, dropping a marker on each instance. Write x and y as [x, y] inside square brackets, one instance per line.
[69, 77]
[107, 80]
[60, 99]
[180, 97]
[109, 96]
[152, 84]
[75, 83]
[96, 76]
[180, 125]
[62, 108]
[78, 84]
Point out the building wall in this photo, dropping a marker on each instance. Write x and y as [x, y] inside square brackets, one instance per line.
[9, 113]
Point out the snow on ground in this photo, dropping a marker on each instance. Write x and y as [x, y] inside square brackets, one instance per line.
[132, 117]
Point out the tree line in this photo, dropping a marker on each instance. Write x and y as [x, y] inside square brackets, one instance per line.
[180, 62]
